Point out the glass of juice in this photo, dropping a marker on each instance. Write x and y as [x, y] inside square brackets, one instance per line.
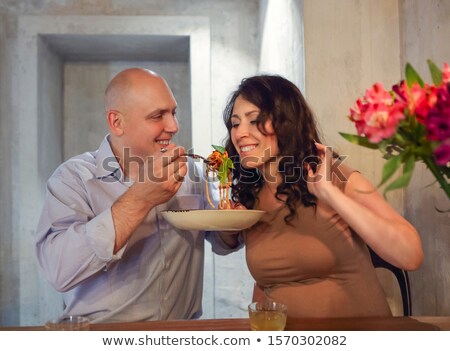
[267, 315]
[68, 323]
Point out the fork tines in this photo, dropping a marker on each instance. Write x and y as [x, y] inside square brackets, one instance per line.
[195, 156]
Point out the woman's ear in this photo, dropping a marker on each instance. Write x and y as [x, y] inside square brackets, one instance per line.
[115, 122]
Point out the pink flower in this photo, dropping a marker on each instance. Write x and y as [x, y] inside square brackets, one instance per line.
[446, 74]
[356, 112]
[410, 122]
[377, 115]
[378, 95]
[382, 121]
[421, 100]
[438, 122]
[401, 90]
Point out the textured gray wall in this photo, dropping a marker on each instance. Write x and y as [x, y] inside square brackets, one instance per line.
[9, 270]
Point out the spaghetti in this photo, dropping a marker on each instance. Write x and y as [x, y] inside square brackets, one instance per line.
[220, 166]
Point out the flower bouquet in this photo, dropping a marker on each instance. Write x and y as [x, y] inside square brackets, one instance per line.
[409, 123]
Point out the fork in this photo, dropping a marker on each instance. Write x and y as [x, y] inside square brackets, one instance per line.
[195, 156]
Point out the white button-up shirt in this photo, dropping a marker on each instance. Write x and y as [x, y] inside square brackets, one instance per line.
[158, 274]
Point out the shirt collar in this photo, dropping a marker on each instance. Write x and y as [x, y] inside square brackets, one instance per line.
[106, 162]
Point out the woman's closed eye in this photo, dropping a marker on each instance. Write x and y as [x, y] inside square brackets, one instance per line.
[235, 121]
[234, 125]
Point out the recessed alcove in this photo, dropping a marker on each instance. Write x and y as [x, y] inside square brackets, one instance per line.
[80, 67]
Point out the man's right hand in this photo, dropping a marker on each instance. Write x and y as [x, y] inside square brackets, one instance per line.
[160, 177]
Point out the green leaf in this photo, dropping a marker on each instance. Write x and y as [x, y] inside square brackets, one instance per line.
[436, 73]
[223, 173]
[218, 148]
[390, 167]
[412, 76]
[359, 140]
[224, 169]
[404, 179]
[229, 164]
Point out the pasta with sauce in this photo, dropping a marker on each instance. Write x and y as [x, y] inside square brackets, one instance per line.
[220, 165]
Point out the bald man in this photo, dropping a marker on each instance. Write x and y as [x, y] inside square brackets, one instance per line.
[101, 239]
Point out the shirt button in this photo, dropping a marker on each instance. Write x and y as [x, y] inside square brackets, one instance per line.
[167, 265]
[165, 298]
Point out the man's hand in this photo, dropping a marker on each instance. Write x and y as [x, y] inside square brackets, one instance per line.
[160, 177]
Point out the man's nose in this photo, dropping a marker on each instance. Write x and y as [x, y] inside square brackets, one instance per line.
[171, 124]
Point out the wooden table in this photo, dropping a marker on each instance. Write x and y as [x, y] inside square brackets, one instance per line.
[304, 324]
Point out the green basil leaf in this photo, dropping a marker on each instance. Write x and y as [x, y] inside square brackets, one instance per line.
[218, 148]
[223, 173]
[229, 163]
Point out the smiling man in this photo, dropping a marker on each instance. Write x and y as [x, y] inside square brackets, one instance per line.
[101, 239]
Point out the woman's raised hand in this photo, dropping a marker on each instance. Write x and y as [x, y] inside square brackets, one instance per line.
[320, 180]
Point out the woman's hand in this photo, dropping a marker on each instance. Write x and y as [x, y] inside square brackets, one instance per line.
[237, 206]
[319, 181]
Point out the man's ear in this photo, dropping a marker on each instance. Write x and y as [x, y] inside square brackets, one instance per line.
[115, 122]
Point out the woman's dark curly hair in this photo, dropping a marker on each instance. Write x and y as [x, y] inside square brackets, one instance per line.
[280, 101]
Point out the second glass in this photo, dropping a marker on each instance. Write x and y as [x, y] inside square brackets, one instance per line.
[268, 315]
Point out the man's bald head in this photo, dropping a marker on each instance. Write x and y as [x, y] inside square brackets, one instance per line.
[140, 111]
[124, 84]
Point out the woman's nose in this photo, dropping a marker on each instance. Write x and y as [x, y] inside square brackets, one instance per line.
[241, 130]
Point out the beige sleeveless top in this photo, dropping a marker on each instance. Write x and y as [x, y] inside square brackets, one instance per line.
[318, 266]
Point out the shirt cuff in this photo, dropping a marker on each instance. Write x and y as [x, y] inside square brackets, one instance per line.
[101, 237]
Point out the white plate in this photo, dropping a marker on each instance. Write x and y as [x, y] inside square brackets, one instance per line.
[226, 220]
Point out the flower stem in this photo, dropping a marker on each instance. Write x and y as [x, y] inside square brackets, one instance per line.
[437, 174]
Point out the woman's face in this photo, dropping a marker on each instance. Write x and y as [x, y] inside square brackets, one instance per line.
[254, 148]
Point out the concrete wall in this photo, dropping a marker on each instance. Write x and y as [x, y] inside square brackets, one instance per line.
[282, 40]
[8, 260]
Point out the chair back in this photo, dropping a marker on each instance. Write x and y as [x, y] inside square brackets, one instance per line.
[402, 279]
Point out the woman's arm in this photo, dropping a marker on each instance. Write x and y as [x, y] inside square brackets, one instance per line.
[392, 237]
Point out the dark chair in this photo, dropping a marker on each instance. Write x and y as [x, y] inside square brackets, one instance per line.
[402, 279]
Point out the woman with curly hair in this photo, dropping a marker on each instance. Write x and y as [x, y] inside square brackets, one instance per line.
[310, 249]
